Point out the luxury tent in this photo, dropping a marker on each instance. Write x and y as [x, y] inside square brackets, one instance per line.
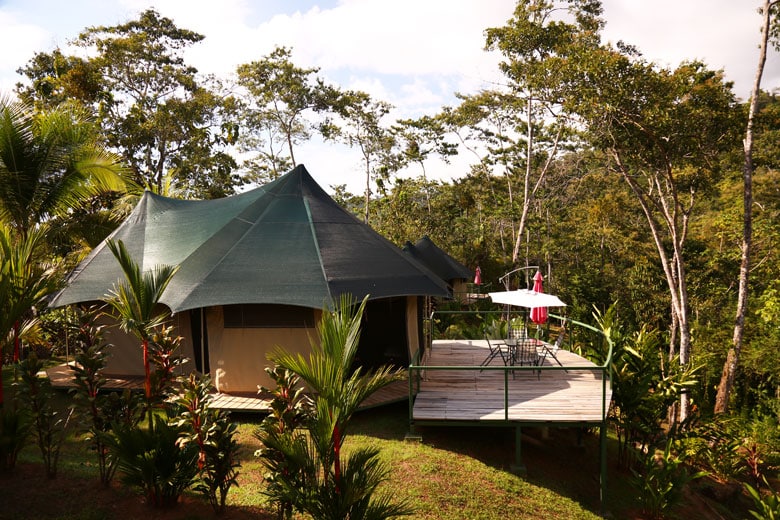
[442, 264]
[255, 270]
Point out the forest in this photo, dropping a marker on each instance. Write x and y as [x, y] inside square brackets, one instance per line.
[648, 196]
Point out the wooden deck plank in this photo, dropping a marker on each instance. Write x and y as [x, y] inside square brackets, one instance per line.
[574, 395]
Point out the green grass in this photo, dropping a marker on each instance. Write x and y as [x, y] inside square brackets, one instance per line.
[453, 473]
[460, 472]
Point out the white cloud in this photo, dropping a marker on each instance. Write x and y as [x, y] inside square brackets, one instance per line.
[356, 38]
[724, 34]
[14, 35]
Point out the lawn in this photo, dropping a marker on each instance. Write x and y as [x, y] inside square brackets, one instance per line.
[453, 473]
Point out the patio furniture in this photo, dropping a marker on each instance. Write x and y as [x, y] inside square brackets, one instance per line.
[523, 352]
[551, 350]
[526, 353]
[496, 349]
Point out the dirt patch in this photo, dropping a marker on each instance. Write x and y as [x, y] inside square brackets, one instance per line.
[27, 493]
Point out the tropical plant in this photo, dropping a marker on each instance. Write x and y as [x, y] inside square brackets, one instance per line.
[49, 424]
[135, 302]
[767, 506]
[328, 485]
[165, 356]
[213, 433]
[14, 433]
[737, 447]
[24, 282]
[94, 406]
[290, 410]
[50, 163]
[155, 461]
[662, 480]
[715, 445]
[496, 329]
[643, 385]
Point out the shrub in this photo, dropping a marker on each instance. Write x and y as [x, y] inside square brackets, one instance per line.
[290, 409]
[736, 447]
[14, 434]
[155, 461]
[661, 482]
[48, 423]
[214, 436]
[95, 407]
[311, 473]
[767, 507]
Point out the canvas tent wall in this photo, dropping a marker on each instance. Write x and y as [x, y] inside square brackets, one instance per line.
[283, 244]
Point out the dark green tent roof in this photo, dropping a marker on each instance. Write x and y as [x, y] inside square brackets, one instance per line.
[286, 242]
[438, 261]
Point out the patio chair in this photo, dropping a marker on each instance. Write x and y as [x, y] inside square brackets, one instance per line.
[553, 349]
[496, 349]
[526, 354]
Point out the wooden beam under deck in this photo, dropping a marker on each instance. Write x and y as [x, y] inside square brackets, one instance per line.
[550, 396]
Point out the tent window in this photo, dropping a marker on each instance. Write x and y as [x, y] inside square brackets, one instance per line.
[267, 316]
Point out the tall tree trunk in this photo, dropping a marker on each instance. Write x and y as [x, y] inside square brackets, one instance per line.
[526, 181]
[732, 358]
[530, 193]
[674, 265]
[368, 192]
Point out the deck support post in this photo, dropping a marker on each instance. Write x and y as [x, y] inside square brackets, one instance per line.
[603, 475]
[518, 467]
[411, 436]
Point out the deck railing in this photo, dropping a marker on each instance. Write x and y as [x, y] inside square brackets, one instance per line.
[582, 338]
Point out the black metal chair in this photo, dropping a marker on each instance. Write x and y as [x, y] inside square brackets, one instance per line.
[496, 349]
[552, 350]
[526, 354]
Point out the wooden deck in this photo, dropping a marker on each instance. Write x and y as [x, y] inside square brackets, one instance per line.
[61, 377]
[473, 395]
[395, 392]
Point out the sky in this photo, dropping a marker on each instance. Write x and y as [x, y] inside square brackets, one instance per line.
[414, 54]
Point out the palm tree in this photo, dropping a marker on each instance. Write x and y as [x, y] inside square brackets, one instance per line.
[24, 282]
[135, 301]
[50, 162]
[333, 489]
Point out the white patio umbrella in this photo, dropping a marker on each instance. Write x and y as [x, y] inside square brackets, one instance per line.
[526, 298]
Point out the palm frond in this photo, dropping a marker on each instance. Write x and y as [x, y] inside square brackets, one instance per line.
[24, 280]
[136, 298]
[50, 162]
